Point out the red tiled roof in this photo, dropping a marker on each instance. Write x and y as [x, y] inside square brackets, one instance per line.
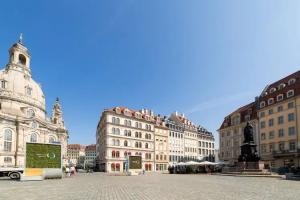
[91, 147]
[295, 87]
[243, 112]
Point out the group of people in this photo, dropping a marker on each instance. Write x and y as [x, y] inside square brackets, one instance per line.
[70, 171]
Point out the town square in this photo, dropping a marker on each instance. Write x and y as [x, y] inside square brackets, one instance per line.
[129, 99]
[152, 186]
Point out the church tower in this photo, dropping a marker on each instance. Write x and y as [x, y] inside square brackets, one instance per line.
[19, 57]
[57, 115]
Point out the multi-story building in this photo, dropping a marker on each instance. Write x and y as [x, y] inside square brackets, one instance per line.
[76, 154]
[196, 143]
[206, 145]
[90, 155]
[231, 132]
[23, 116]
[279, 120]
[122, 132]
[161, 134]
[176, 141]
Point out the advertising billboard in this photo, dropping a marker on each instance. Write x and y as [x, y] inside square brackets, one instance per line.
[43, 155]
[135, 162]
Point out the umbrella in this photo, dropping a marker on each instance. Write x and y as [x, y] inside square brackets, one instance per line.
[207, 163]
[192, 163]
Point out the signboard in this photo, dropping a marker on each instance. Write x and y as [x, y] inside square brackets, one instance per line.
[135, 162]
[43, 155]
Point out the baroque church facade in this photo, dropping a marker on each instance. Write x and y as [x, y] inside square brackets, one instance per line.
[23, 116]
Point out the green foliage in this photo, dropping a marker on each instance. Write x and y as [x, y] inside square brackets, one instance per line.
[43, 155]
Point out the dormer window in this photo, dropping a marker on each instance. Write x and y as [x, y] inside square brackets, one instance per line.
[290, 93]
[272, 90]
[118, 110]
[262, 104]
[280, 97]
[30, 113]
[22, 59]
[292, 81]
[28, 90]
[281, 86]
[270, 101]
[3, 84]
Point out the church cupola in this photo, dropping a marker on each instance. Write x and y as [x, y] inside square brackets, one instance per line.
[19, 57]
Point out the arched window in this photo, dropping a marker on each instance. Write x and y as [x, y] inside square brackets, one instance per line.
[7, 160]
[129, 123]
[117, 154]
[146, 146]
[7, 140]
[118, 167]
[136, 145]
[136, 153]
[136, 134]
[140, 135]
[136, 124]
[129, 133]
[140, 145]
[117, 142]
[125, 143]
[113, 120]
[117, 121]
[146, 136]
[22, 59]
[113, 154]
[51, 139]
[113, 167]
[129, 153]
[149, 136]
[117, 131]
[125, 154]
[33, 137]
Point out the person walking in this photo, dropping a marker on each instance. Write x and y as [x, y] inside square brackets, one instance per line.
[67, 171]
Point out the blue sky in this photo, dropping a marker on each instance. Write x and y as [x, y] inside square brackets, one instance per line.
[201, 58]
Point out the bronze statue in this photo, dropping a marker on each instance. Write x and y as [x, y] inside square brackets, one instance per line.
[248, 133]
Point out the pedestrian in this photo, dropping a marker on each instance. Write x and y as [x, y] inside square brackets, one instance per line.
[143, 171]
[72, 169]
[67, 171]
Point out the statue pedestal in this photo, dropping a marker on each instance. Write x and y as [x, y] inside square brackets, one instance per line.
[248, 153]
[251, 166]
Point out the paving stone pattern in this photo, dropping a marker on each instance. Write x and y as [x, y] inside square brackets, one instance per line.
[151, 186]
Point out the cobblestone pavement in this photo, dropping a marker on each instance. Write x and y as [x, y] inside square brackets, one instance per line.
[151, 186]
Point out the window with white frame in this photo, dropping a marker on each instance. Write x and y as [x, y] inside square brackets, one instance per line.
[292, 81]
[290, 93]
[262, 104]
[281, 86]
[279, 97]
[33, 137]
[272, 90]
[270, 101]
[7, 140]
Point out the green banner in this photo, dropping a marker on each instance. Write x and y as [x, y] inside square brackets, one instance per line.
[135, 162]
[43, 155]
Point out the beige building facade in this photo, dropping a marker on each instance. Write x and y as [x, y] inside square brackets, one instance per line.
[231, 132]
[161, 134]
[76, 154]
[279, 111]
[122, 132]
[23, 116]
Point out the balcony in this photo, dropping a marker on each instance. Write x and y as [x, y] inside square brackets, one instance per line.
[282, 153]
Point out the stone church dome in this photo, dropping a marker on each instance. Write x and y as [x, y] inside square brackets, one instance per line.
[18, 85]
